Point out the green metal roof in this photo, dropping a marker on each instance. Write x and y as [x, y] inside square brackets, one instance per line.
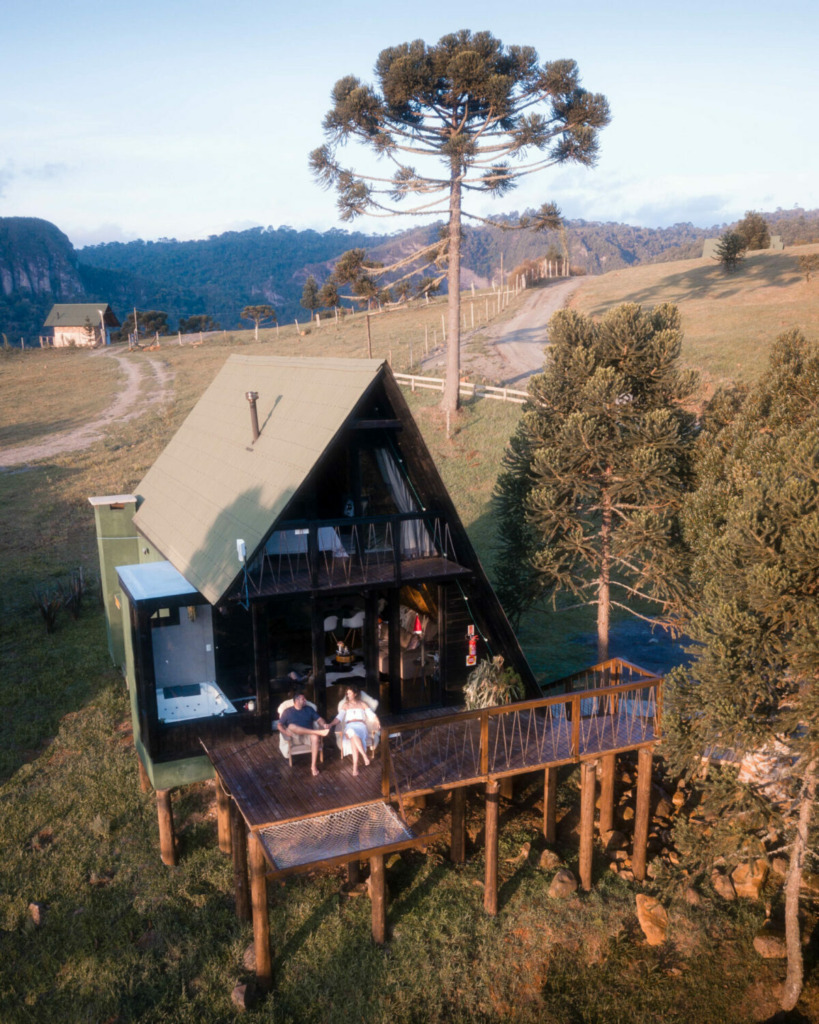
[75, 314]
[213, 486]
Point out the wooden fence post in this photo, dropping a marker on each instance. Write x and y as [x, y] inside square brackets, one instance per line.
[607, 793]
[490, 887]
[167, 839]
[239, 847]
[144, 779]
[588, 786]
[378, 896]
[261, 920]
[641, 812]
[222, 817]
[457, 846]
[550, 805]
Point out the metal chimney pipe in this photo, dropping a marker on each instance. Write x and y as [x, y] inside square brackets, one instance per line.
[252, 397]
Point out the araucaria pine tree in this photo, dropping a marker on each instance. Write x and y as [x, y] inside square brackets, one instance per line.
[752, 692]
[593, 478]
[470, 105]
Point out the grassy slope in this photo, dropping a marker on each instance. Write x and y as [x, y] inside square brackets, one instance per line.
[729, 320]
[125, 939]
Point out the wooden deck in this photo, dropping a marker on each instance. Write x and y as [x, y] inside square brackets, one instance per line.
[423, 752]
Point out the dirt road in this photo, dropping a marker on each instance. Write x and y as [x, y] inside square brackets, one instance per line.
[515, 346]
[146, 383]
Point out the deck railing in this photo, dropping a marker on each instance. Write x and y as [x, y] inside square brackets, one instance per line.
[447, 750]
[339, 552]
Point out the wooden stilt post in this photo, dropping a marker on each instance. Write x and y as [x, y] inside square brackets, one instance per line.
[588, 785]
[550, 805]
[490, 887]
[457, 846]
[144, 780]
[378, 897]
[354, 872]
[641, 812]
[222, 816]
[239, 851]
[607, 763]
[261, 921]
[167, 840]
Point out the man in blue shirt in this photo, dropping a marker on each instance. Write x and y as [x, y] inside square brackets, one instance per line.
[303, 719]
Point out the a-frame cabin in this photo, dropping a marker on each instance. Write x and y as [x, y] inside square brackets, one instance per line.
[296, 509]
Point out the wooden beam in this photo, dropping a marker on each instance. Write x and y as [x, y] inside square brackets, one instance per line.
[378, 896]
[550, 805]
[608, 763]
[222, 817]
[490, 887]
[457, 845]
[588, 786]
[239, 852]
[261, 659]
[261, 921]
[167, 839]
[641, 812]
[507, 787]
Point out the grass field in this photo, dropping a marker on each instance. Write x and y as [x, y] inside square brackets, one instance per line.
[124, 939]
[729, 319]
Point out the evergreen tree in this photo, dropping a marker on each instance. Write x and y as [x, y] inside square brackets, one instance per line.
[593, 476]
[730, 249]
[753, 526]
[197, 322]
[310, 294]
[259, 315]
[754, 231]
[468, 103]
[328, 295]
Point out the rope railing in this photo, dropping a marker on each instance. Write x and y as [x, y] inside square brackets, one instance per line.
[471, 745]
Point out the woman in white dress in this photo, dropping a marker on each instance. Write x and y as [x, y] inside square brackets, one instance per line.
[353, 720]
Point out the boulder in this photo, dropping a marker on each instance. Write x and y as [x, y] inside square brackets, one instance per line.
[749, 878]
[549, 861]
[810, 882]
[564, 884]
[664, 809]
[249, 957]
[692, 897]
[627, 813]
[780, 865]
[36, 911]
[653, 919]
[614, 840]
[769, 942]
[723, 886]
[245, 997]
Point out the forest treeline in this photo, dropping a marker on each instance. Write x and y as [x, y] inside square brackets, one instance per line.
[220, 275]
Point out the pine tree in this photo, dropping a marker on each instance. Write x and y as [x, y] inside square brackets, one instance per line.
[754, 231]
[729, 250]
[259, 315]
[310, 294]
[753, 526]
[468, 103]
[593, 477]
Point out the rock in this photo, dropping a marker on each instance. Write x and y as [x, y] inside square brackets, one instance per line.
[665, 808]
[613, 841]
[36, 911]
[769, 942]
[621, 854]
[810, 882]
[651, 869]
[678, 799]
[564, 884]
[613, 866]
[249, 957]
[692, 897]
[522, 856]
[245, 997]
[779, 866]
[627, 813]
[549, 861]
[626, 874]
[748, 879]
[723, 886]
[653, 919]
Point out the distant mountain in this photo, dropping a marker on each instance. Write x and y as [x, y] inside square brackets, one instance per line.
[222, 274]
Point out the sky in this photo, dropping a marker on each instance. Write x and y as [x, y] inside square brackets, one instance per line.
[187, 118]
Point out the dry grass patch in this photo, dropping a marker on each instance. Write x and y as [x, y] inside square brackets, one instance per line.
[730, 320]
